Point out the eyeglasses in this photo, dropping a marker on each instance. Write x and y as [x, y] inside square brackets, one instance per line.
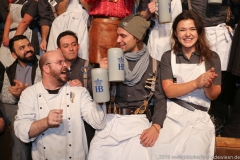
[60, 62]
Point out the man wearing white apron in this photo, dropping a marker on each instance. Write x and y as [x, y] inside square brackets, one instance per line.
[14, 18]
[159, 37]
[129, 135]
[51, 113]
[189, 82]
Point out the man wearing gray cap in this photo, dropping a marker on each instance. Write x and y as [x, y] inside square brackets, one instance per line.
[128, 134]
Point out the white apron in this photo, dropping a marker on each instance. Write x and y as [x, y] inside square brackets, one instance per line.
[5, 54]
[159, 38]
[74, 19]
[120, 139]
[220, 42]
[186, 134]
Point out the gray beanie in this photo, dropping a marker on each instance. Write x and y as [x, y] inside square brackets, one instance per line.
[135, 25]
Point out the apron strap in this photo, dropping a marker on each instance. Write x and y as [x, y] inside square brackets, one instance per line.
[154, 66]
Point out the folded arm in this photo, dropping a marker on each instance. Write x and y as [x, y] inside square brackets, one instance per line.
[204, 81]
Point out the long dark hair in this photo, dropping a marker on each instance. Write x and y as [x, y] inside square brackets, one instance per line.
[202, 45]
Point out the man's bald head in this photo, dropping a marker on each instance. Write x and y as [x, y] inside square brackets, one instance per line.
[48, 57]
[54, 69]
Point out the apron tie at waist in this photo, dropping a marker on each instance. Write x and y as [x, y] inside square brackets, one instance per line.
[189, 106]
[222, 28]
[122, 111]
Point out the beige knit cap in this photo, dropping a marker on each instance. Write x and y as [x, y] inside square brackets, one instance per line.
[135, 25]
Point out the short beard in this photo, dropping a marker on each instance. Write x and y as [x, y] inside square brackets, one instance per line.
[26, 59]
[57, 76]
[61, 81]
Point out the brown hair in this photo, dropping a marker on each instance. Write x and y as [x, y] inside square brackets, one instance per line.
[202, 44]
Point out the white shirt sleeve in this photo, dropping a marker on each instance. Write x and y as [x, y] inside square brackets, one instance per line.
[26, 115]
[93, 113]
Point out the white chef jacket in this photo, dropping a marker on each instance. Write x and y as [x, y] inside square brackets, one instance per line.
[74, 19]
[68, 141]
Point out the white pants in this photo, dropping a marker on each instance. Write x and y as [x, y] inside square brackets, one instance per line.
[185, 133]
[120, 139]
[220, 42]
[159, 38]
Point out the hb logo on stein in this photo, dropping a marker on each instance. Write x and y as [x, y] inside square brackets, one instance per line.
[98, 87]
[120, 64]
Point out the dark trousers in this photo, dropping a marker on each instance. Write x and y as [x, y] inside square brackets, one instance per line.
[219, 107]
[89, 133]
[232, 129]
[20, 150]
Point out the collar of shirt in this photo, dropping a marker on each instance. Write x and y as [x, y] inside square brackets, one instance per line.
[28, 64]
[195, 57]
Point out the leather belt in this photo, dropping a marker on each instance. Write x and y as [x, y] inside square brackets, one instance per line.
[112, 18]
[122, 111]
[189, 106]
[13, 29]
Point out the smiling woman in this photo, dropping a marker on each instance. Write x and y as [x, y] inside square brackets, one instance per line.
[187, 35]
[191, 77]
[190, 36]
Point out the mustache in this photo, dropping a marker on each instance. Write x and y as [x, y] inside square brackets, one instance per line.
[28, 52]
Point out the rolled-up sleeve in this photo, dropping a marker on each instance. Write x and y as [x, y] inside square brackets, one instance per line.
[45, 12]
[31, 8]
[26, 115]
[166, 68]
